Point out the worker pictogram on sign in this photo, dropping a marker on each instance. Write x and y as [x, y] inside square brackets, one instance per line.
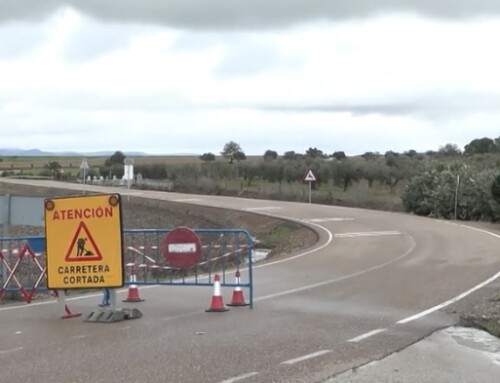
[83, 247]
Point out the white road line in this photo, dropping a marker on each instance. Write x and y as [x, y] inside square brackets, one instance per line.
[449, 302]
[460, 296]
[240, 377]
[49, 302]
[262, 208]
[342, 278]
[367, 335]
[187, 200]
[306, 357]
[318, 220]
[367, 234]
[182, 315]
[4, 352]
[18, 332]
[300, 255]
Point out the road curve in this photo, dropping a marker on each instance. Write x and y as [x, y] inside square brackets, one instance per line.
[373, 284]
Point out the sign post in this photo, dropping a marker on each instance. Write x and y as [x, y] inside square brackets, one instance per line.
[310, 177]
[128, 173]
[84, 166]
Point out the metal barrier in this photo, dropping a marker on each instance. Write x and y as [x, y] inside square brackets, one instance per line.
[224, 253]
[23, 266]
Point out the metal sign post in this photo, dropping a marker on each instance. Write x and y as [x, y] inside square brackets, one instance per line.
[128, 173]
[84, 166]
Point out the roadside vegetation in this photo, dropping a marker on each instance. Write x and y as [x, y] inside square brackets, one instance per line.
[448, 183]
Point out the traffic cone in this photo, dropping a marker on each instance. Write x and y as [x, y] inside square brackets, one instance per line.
[61, 297]
[217, 304]
[133, 290]
[238, 298]
[69, 314]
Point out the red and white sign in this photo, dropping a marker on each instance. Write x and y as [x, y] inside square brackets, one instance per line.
[310, 176]
[182, 248]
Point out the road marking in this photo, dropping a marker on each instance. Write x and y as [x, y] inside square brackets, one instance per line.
[18, 332]
[262, 208]
[300, 255]
[367, 335]
[342, 278]
[187, 200]
[4, 352]
[79, 337]
[181, 315]
[49, 302]
[460, 296]
[449, 302]
[306, 357]
[367, 234]
[240, 377]
[319, 220]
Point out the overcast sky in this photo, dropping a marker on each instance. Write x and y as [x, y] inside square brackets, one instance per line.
[187, 76]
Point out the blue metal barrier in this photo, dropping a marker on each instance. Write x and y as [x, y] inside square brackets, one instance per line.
[224, 251]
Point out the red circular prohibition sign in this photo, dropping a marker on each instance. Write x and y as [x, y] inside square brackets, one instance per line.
[182, 248]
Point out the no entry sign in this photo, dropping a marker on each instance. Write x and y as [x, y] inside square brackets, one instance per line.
[182, 248]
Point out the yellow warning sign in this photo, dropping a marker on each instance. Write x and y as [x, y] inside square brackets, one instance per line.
[84, 242]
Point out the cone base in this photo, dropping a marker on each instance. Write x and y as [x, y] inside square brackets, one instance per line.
[69, 314]
[133, 295]
[133, 300]
[238, 299]
[217, 305]
[221, 310]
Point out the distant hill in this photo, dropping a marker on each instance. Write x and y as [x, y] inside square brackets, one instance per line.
[8, 152]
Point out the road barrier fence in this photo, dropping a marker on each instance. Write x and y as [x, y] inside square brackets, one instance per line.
[150, 257]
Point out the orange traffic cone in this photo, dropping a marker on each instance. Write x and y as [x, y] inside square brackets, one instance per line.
[61, 298]
[217, 304]
[69, 314]
[238, 298]
[133, 290]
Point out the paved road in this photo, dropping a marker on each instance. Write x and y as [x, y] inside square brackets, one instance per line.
[374, 284]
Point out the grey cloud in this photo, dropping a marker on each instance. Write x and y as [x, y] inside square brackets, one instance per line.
[256, 14]
[432, 107]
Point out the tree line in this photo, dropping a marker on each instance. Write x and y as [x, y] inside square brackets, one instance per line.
[447, 183]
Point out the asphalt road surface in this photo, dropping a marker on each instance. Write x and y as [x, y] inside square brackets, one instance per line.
[375, 283]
